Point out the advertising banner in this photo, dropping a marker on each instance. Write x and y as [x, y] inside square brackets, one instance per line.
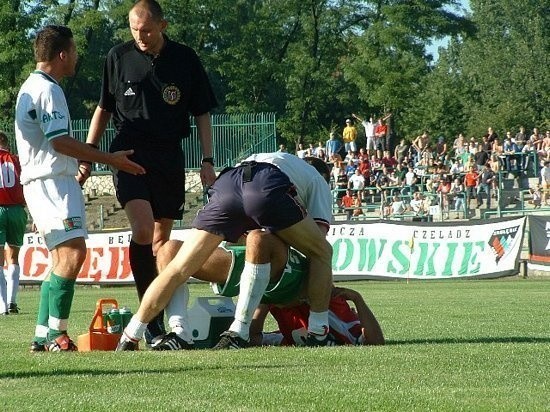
[539, 243]
[378, 250]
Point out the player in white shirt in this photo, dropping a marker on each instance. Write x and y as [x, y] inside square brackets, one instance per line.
[48, 153]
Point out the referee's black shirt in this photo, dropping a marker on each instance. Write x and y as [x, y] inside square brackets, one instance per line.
[151, 97]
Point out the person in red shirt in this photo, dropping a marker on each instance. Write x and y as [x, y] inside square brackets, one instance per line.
[470, 181]
[13, 221]
[348, 325]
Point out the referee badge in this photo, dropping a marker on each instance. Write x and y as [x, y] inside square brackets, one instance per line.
[171, 94]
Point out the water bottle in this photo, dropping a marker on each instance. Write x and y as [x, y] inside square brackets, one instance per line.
[125, 316]
[114, 323]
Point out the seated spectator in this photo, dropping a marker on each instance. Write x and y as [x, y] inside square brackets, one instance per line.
[457, 167]
[351, 167]
[383, 182]
[397, 206]
[411, 181]
[375, 163]
[536, 196]
[364, 168]
[417, 204]
[340, 184]
[358, 211]
[388, 160]
[347, 203]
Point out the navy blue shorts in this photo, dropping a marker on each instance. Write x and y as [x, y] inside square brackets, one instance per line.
[235, 206]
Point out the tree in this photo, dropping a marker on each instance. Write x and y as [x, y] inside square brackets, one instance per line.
[17, 18]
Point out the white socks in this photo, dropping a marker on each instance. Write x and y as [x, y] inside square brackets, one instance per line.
[12, 282]
[3, 292]
[176, 311]
[318, 324]
[135, 329]
[254, 281]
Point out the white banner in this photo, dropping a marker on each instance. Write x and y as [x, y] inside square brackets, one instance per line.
[427, 251]
[361, 251]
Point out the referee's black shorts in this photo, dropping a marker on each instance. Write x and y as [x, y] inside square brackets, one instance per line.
[163, 184]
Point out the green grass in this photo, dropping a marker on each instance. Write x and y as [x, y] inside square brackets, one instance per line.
[452, 345]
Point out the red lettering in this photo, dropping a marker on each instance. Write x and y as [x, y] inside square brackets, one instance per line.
[36, 262]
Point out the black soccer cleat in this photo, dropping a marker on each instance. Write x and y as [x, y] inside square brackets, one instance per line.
[12, 308]
[126, 344]
[312, 341]
[230, 340]
[37, 347]
[171, 341]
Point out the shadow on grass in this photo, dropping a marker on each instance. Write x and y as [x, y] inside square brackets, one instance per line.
[125, 372]
[443, 341]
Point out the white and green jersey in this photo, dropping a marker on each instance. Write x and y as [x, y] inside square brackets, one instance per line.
[42, 115]
[312, 189]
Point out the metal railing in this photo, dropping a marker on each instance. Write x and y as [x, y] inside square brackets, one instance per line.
[234, 137]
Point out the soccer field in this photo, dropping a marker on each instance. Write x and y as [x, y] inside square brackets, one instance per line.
[479, 345]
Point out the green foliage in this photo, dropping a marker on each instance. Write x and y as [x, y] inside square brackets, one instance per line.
[315, 62]
[451, 345]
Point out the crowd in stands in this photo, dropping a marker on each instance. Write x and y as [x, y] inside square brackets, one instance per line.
[412, 175]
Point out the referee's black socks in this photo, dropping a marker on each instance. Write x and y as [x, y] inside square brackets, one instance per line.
[143, 264]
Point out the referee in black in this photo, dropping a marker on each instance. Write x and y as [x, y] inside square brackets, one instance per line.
[150, 87]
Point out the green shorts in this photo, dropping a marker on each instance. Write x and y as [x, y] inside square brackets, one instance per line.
[283, 290]
[13, 222]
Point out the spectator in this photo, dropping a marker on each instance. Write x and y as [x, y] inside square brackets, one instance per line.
[357, 203]
[282, 149]
[333, 147]
[491, 135]
[13, 221]
[300, 151]
[411, 180]
[457, 191]
[347, 203]
[444, 188]
[397, 206]
[536, 195]
[485, 178]
[380, 132]
[388, 161]
[357, 183]
[471, 181]
[458, 145]
[545, 180]
[401, 151]
[340, 181]
[481, 157]
[457, 167]
[521, 134]
[441, 149]
[417, 204]
[364, 168]
[369, 133]
[350, 136]
[351, 167]
[419, 144]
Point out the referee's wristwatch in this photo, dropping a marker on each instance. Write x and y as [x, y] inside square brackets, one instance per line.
[208, 160]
